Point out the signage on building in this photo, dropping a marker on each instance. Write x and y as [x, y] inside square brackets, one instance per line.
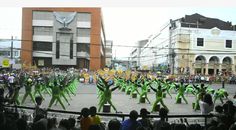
[5, 63]
[64, 20]
[40, 62]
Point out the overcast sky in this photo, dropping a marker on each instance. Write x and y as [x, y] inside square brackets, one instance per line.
[124, 25]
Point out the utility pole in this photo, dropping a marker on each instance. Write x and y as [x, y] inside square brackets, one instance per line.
[11, 51]
[171, 51]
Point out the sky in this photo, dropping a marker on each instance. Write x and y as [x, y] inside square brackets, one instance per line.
[124, 25]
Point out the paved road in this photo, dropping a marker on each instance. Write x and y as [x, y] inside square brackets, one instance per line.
[86, 97]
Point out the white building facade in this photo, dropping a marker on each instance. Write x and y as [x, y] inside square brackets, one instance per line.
[194, 45]
[135, 55]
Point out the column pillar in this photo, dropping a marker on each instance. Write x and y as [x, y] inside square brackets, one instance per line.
[220, 67]
[214, 68]
[202, 69]
[233, 69]
[192, 69]
[206, 72]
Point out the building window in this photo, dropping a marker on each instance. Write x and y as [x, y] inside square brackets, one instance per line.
[83, 32]
[57, 49]
[200, 42]
[42, 30]
[83, 47]
[5, 53]
[42, 46]
[83, 63]
[228, 44]
[42, 62]
[15, 53]
[71, 49]
[84, 17]
[42, 15]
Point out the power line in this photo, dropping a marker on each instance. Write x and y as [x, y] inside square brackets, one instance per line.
[147, 56]
[49, 53]
[144, 56]
[77, 43]
[152, 47]
[155, 56]
[90, 43]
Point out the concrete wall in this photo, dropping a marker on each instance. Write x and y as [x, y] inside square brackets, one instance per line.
[96, 60]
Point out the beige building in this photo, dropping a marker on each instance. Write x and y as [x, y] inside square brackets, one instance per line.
[197, 45]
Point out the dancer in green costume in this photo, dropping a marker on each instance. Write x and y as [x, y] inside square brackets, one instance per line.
[159, 97]
[105, 96]
[144, 90]
[38, 86]
[28, 90]
[56, 94]
[190, 89]
[15, 97]
[180, 92]
[63, 85]
[167, 86]
[45, 86]
[118, 82]
[134, 88]
[128, 87]
[122, 84]
[220, 94]
[200, 91]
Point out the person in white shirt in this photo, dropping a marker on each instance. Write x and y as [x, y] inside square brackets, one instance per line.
[11, 85]
[206, 104]
[11, 79]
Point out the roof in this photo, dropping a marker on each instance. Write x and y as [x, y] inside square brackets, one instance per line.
[199, 21]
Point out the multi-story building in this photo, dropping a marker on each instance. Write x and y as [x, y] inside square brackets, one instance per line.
[108, 50]
[63, 37]
[136, 52]
[195, 44]
[155, 52]
[6, 52]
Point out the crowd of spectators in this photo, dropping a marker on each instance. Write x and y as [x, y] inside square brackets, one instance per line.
[223, 118]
